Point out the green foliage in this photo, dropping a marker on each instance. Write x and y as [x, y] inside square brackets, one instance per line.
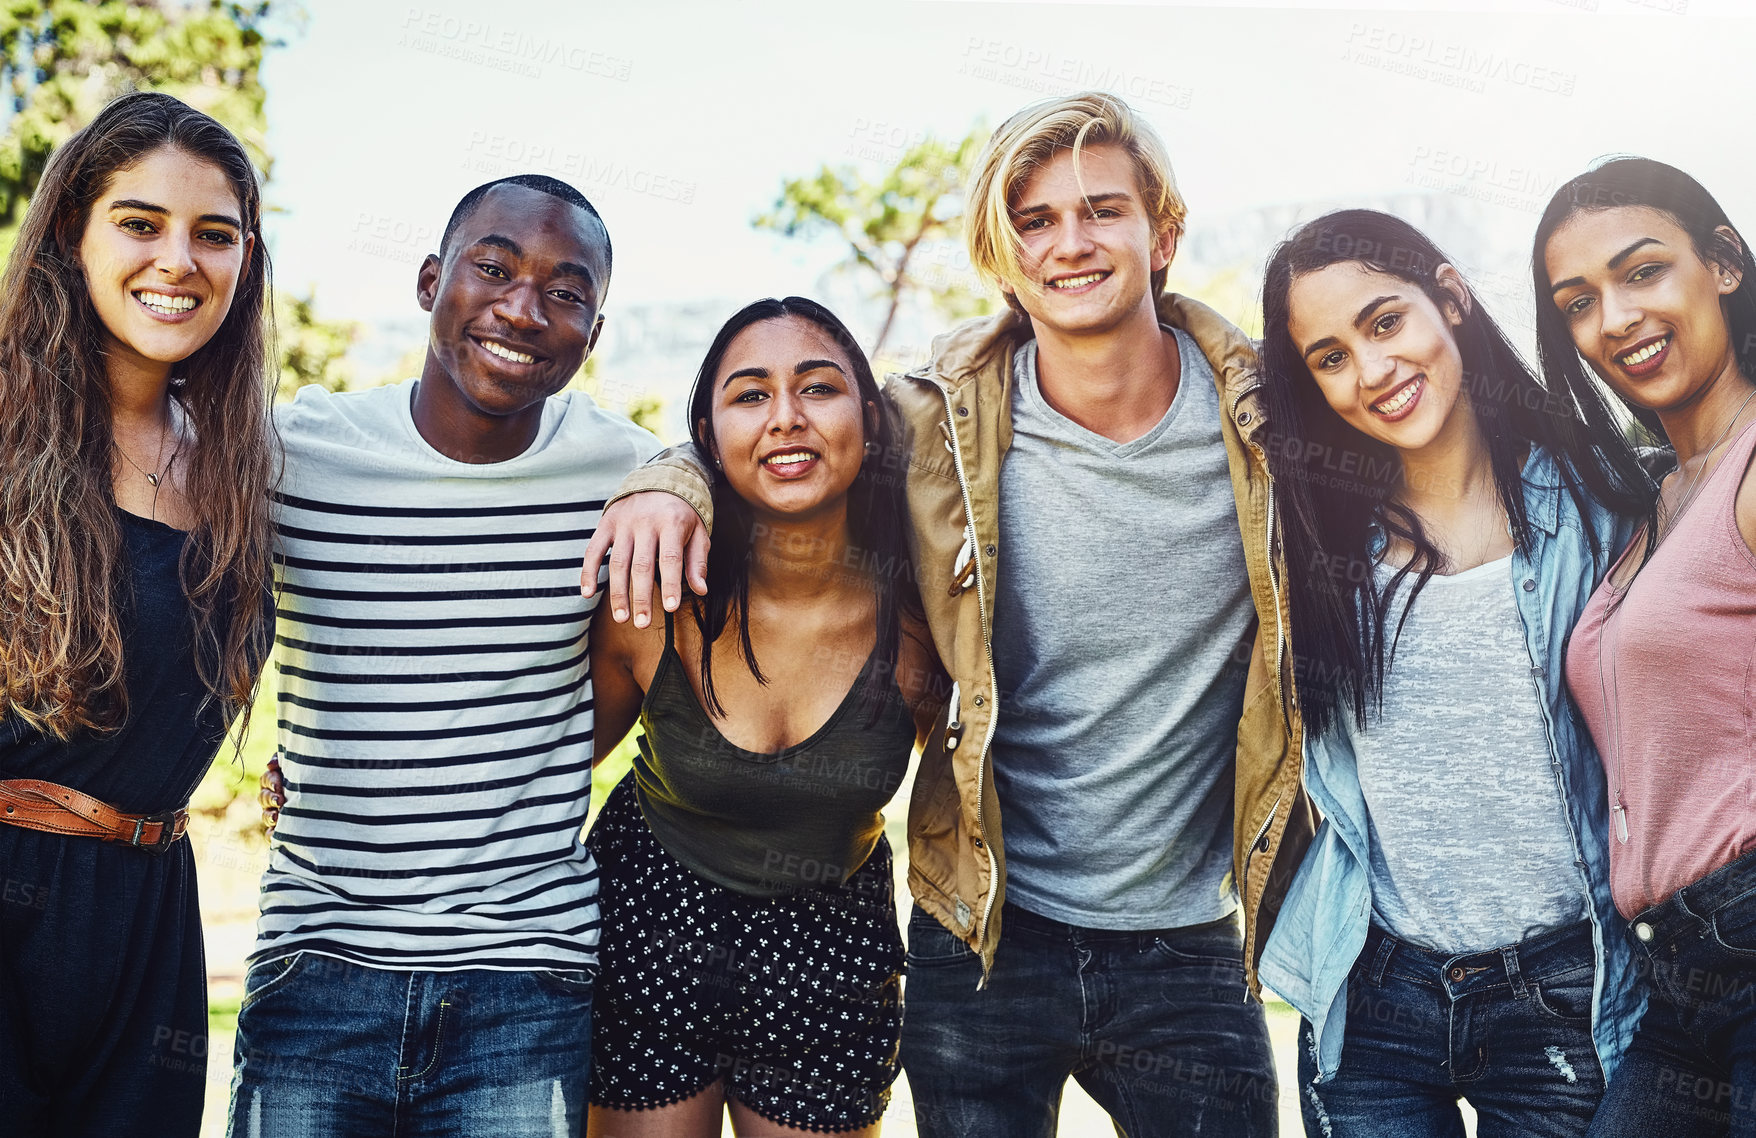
[647, 410]
[62, 60]
[311, 350]
[888, 222]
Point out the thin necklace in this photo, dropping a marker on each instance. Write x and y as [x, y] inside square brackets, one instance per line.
[151, 478]
[1695, 479]
[1603, 632]
[155, 480]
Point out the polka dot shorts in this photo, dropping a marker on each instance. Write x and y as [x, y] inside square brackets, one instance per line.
[794, 1001]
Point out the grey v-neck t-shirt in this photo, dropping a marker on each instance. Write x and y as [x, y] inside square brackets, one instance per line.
[1121, 625]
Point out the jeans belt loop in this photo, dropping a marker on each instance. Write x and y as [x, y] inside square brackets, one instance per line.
[1381, 961]
[1701, 922]
[1509, 955]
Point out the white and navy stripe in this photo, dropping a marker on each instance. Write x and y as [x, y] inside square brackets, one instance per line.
[435, 696]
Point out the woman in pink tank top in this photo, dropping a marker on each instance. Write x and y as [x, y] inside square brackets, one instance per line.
[1641, 276]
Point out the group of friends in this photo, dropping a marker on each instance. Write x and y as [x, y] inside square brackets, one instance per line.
[1366, 663]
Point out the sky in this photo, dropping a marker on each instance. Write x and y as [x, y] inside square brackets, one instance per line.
[680, 121]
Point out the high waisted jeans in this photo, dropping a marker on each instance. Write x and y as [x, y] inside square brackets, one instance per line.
[1691, 1069]
[1508, 1029]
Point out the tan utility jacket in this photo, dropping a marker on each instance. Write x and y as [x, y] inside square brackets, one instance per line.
[956, 411]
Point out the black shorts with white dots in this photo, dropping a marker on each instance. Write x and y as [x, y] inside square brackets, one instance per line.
[794, 1001]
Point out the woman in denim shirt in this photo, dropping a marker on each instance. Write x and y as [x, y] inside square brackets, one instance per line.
[1450, 933]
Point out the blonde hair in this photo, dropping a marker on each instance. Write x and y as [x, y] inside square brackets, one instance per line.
[1028, 141]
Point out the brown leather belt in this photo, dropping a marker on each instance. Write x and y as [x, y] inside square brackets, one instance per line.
[38, 805]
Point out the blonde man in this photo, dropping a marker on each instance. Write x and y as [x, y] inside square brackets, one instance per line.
[1103, 440]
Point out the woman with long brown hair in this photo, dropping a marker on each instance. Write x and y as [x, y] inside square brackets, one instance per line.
[136, 455]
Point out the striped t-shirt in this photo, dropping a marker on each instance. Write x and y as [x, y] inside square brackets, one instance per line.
[435, 697]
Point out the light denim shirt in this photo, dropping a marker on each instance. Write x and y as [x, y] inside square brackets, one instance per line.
[1323, 923]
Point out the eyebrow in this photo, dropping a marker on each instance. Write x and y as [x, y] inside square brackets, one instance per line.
[1614, 263]
[148, 207]
[1364, 314]
[567, 268]
[1090, 199]
[803, 367]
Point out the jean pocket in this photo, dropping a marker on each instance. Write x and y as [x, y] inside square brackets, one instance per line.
[1217, 944]
[1565, 998]
[567, 981]
[267, 976]
[932, 945]
[1734, 926]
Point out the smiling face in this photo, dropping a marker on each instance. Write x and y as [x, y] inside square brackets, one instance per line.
[1089, 251]
[788, 422]
[1641, 305]
[162, 252]
[515, 300]
[1383, 353]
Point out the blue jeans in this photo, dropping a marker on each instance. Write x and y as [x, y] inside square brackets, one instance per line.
[1154, 1025]
[1691, 1069]
[1509, 1029]
[330, 1049]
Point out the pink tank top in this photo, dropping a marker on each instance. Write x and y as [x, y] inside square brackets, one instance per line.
[1666, 682]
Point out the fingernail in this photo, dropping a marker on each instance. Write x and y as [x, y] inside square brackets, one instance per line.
[670, 604]
[621, 615]
[641, 620]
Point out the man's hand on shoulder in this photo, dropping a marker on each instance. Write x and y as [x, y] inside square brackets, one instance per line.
[642, 533]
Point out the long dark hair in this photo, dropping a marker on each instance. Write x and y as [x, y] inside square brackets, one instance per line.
[877, 513]
[1613, 184]
[62, 577]
[1620, 182]
[1336, 483]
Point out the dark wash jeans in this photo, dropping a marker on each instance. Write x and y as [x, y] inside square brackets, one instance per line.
[330, 1049]
[1508, 1029]
[1691, 1069]
[1154, 1025]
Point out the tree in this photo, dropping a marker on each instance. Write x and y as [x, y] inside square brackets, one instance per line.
[310, 350]
[62, 60]
[887, 223]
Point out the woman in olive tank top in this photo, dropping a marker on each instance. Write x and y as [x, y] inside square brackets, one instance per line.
[751, 958]
[1641, 276]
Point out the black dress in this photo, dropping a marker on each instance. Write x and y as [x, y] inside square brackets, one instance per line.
[103, 987]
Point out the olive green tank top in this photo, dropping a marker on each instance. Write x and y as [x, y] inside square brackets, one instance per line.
[767, 824]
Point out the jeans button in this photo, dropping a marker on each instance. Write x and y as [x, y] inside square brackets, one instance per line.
[1642, 931]
[1456, 974]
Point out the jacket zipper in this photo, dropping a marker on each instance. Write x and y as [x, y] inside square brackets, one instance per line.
[969, 516]
[1262, 830]
[1280, 640]
[1280, 643]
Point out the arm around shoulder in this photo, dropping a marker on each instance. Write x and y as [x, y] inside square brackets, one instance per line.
[681, 471]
